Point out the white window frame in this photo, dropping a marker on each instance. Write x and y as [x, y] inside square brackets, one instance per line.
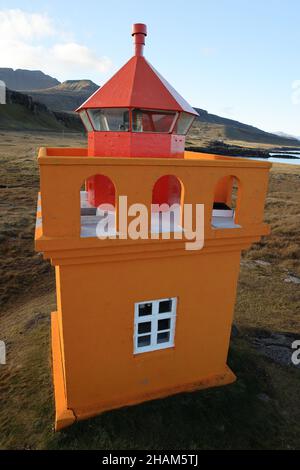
[153, 318]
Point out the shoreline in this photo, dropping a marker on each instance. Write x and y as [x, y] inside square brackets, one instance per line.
[247, 152]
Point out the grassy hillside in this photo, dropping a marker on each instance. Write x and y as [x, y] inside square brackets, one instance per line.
[209, 128]
[22, 113]
[259, 411]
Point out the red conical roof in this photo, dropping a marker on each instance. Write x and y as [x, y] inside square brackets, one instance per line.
[137, 85]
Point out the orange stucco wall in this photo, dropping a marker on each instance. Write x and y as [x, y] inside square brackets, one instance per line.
[98, 336]
[98, 281]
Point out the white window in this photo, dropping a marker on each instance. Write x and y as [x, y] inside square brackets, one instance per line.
[154, 324]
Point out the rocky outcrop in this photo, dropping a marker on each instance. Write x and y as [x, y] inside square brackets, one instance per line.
[21, 112]
[220, 148]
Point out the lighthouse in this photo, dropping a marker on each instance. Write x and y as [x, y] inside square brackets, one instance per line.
[140, 318]
[137, 113]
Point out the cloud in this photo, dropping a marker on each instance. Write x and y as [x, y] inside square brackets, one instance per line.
[296, 92]
[34, 41]
[17, 24]
[75, 54]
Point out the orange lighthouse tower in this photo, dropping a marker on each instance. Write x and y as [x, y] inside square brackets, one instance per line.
[141, 318]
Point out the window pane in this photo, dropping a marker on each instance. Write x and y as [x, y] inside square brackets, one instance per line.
[163, 337]
[110, 119]
[183, 123]
[86, 121]
[165, 306]
[164, 324]
[144, 327]
[152, 121]
[144, 341]
[145, 309]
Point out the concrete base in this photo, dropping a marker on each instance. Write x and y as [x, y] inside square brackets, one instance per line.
[65, 416]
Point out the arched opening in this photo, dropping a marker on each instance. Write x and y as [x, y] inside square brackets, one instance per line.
[226, 203]
[98, 207]
[167, 200]
[100, 190]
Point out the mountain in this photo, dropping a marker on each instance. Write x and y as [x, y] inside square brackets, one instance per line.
[69, 95]
[284, 134]
[211, 128]
[26, 79]
[47, 103]
[21, 112]
[80, 86]
[66, 96]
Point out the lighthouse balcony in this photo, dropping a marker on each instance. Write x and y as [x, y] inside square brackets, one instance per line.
[231, 190]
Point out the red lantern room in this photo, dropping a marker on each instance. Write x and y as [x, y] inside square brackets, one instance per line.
[137, 113]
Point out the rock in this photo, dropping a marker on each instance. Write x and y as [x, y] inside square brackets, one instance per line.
[247, 264]
[263, 397]
[293, 279]
[261, 262]
[277, 347]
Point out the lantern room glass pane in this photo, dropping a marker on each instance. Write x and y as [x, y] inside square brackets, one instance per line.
[183, 123]
[86, 121]
[110, 119]
[145, 120]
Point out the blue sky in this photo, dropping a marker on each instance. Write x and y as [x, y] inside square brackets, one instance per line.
[239, 59]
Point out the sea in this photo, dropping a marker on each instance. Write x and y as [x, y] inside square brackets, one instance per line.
[282, 157]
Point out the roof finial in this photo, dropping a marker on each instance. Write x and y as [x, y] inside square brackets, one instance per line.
[139, 32]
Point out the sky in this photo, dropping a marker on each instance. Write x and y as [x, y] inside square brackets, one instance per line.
[236, 58]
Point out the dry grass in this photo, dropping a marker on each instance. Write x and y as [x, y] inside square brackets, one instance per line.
[232, 417]
[21, 268]
[282, 212]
